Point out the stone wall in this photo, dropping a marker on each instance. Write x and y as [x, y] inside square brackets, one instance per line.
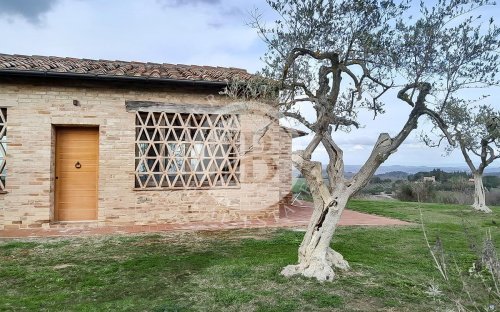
[34, 112]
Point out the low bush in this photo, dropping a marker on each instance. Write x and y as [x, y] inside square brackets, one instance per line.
[493, 197]
[454, 197]
[420, 191]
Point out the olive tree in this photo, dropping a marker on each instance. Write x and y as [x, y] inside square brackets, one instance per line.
[341, 57]
[475, 131]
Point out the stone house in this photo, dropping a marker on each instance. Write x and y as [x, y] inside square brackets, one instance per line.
[431, 179]
[111, 143]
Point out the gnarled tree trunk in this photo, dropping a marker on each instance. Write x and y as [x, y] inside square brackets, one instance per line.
[316, 258]
[479, 195]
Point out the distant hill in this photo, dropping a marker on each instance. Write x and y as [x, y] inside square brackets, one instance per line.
[393, 175]
[398, 170]
[415, 169]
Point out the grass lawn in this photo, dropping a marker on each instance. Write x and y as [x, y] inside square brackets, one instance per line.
[239, 270]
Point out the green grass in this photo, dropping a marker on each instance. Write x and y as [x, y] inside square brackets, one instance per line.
[239, 270]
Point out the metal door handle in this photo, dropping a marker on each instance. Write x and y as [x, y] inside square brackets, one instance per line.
[78, 165]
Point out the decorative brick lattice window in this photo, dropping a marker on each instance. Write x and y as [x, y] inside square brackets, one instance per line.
[184, 151]
[3, 148]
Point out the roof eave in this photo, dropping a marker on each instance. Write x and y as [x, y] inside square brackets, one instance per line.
[49, 74]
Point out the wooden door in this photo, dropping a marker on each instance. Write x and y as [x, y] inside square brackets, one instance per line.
[77, 160]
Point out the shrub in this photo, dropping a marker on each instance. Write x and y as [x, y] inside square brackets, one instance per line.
[454, 197]
[405, 192]
[493, 197]
[418, 191]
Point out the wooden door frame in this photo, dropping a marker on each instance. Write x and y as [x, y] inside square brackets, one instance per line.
[54, 129]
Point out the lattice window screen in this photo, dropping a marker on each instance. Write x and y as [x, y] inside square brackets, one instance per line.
[176, 151]
[3, 147]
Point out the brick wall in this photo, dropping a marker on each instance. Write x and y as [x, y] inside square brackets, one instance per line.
[285, 168]
[33, 112]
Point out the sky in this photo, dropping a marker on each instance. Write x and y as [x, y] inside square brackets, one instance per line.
[201, 32]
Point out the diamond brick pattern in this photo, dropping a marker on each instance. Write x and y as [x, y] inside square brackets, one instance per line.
[185, 151]
[3, 147]
[105, 68]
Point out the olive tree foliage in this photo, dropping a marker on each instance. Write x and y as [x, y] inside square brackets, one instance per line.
[475, 131]
[341, 57]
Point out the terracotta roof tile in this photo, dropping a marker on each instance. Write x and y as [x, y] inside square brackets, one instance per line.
[106, 68]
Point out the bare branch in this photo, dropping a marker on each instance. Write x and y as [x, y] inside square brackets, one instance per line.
[357, 83]
[441, 124]
[311, 147]
[404, 97]
[297, 52]
[300, 85]
[299, 118]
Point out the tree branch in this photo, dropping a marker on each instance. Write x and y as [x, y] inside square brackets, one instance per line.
[464, 152]
[357, 83]
[300, 85]
[386, 145]
[404, 97]
[441, 124]
[297, 52]
[299, 118]
[335, 167]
